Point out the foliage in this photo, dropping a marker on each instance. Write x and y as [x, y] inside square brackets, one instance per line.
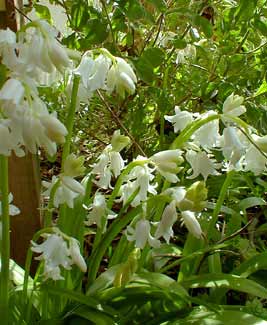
[175, 234]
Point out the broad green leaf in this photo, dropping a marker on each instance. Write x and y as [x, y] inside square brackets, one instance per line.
[261, 26]
[229, 281]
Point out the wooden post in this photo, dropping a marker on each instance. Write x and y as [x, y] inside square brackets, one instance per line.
[24, 178]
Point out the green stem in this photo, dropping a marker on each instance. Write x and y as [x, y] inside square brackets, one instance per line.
[5, 243]
[219, 202]
[71, 117]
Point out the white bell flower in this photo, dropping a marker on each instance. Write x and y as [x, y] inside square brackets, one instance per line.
[208, 135]
[192, 223]
[12, 91]
[139, 177]
[168, 219]
[233, 146]
[57, 252]
[232, 105]
[110, 161]
[141, 234]
[201, 164]
[180, 120]
[167, 162]
[121, 78]
[99, 212]
[67, 190]
[93, 72]
[75, 254]
[254, 160]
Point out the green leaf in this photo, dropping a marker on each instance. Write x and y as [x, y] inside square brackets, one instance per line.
[153, 56]
[179, 43]
[255, 263]
[43, 12]
[245, 10]
[250, 202]
[229, 281]
[222, 316]
[261, 26]
[204, 25]
[262, 89]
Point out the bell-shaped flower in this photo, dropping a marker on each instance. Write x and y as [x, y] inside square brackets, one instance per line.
[201, 164]
[12, 91]
[119, 142]
[75, 254]
[110, 161]
[99, 212]
[254, 159]
[166, 163]
[192, 223]
[57, 252]
[121, 78]
[141, 234]
[93, 72]
[207, 135]
[138, 178]
[54, 129]
[233, 146]
[168, 219]
[67, 188]
[180, 120]
[233, 105]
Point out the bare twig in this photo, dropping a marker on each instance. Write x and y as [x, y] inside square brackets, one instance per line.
[119, 123]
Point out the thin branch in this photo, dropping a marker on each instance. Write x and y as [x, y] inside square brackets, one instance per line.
[119, 123]
[236, 233]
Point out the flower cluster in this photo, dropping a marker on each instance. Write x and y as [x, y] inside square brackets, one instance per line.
[58, 250]
[25, 121]
[104, 72]
[242, 150]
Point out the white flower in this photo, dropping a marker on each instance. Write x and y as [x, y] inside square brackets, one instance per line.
[201, 163]
[233, 147]
[93, 72]
[254, 160]
[139, 177]
[13, 210]
[110, 161]
[232, 105]
[74, 249]
[167, 162]
[56, 253]
[99, 212]
[180, 120]
[192, 223]
[121, 77]
[12, 91]
[208, 135]
[54, 129]
[67, 190]
[168, 218]
[141, 234]
[187, 53]
[96, 4]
